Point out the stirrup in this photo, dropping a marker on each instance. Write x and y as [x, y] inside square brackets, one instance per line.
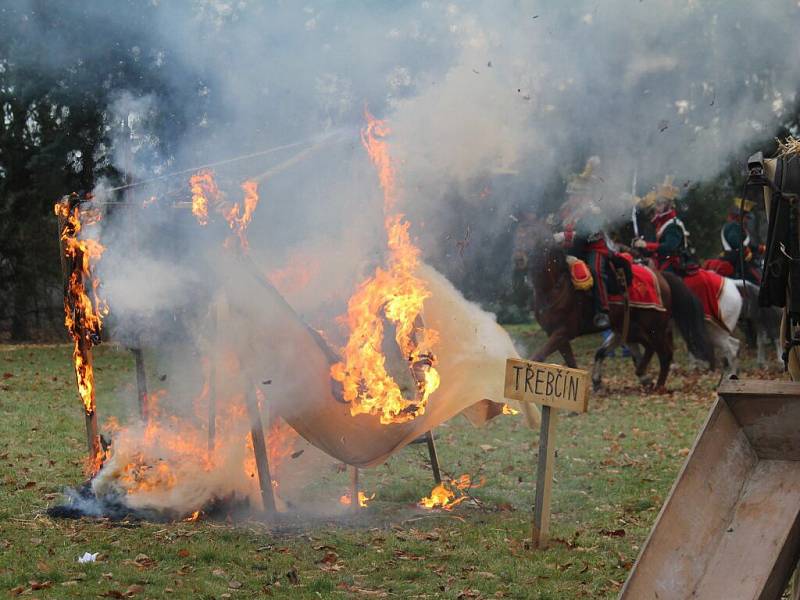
[601, 321]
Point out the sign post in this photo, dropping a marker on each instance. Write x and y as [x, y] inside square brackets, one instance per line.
[553, 387]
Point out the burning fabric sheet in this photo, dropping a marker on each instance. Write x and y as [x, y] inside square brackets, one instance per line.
[471, 359]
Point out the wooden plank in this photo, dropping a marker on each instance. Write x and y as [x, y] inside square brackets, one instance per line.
[767, 510]
[544, 478]
[758, 388]
[547, 384]
[260, 452]
[694, 516]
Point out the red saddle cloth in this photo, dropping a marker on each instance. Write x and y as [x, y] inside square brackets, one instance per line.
[723, 267]
[707, 286]
[643, 291]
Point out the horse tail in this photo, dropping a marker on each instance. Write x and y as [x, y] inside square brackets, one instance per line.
[690, 319]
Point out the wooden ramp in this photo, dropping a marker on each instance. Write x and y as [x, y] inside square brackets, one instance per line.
[731, 525]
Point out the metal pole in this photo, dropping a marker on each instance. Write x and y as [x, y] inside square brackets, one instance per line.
[437, 476]
[354, 489]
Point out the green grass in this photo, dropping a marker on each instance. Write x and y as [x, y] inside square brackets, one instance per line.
[614, 469]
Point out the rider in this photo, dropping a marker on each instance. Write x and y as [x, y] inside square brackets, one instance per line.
[736, 238]
[671, 246]
[584, 237]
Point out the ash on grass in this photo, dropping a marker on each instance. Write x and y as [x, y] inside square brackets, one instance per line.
[81, 501]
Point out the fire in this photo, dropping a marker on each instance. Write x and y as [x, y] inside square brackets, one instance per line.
[203, 185]
[507, 410]
[238, 217]
[281, 440]
[193, 517]
[206, 192]
[396, 294]
[83, 316]
[363, 499]
[448, 495]
[296, 274]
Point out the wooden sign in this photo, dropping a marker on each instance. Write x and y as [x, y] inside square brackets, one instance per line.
[546, 384]
[552, 386]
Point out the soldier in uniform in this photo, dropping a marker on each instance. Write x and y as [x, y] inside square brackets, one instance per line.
[738, 247]
[669, 251]
[584, 238]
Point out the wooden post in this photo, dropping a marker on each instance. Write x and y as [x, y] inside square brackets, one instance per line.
[212, 381]
[437, 476]
[141, 383]
[79, 334]
[260, 451]
[544, 478]
[553, 387]
[354, 489]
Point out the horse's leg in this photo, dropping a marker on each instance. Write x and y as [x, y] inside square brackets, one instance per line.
[568, 355]
[557, 339]
[636, 354]
[665, 353]
[608, 346]
[641, 369]
[762, 343]
[727, 345]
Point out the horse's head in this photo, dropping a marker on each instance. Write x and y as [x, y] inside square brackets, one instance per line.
[534, 245]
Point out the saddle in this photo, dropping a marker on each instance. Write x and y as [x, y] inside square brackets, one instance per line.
[707, 286]
[643, 288]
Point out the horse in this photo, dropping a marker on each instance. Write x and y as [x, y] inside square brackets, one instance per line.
[721, 331]
[763, 323]
[566, 313]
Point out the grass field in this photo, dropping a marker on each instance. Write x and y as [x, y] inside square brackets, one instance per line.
[614, 469]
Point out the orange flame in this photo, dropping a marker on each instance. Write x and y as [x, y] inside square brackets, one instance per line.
[83, 316]
[203, 185]
[363, 499]
[397, 294]
[205, 192]
[507, 410]
[296, 274]
[448, 495]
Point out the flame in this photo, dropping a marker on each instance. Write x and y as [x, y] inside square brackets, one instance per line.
[203, 185]
[507, 410]
[281, 440]
[238, 218]
[206, 192]
[83, 316]
[396, 294]
[296, 274]
[363, 499]
[193, 517]
[448, 495]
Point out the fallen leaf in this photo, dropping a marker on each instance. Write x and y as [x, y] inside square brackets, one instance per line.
[36, 585]
[133, 590]
[487, 447]
[234, 585]
[183, 553]
[620, 533]
[142, 561]
[218, 572]
[293, 577]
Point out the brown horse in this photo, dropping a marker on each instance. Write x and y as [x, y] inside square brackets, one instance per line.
[565, 313]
